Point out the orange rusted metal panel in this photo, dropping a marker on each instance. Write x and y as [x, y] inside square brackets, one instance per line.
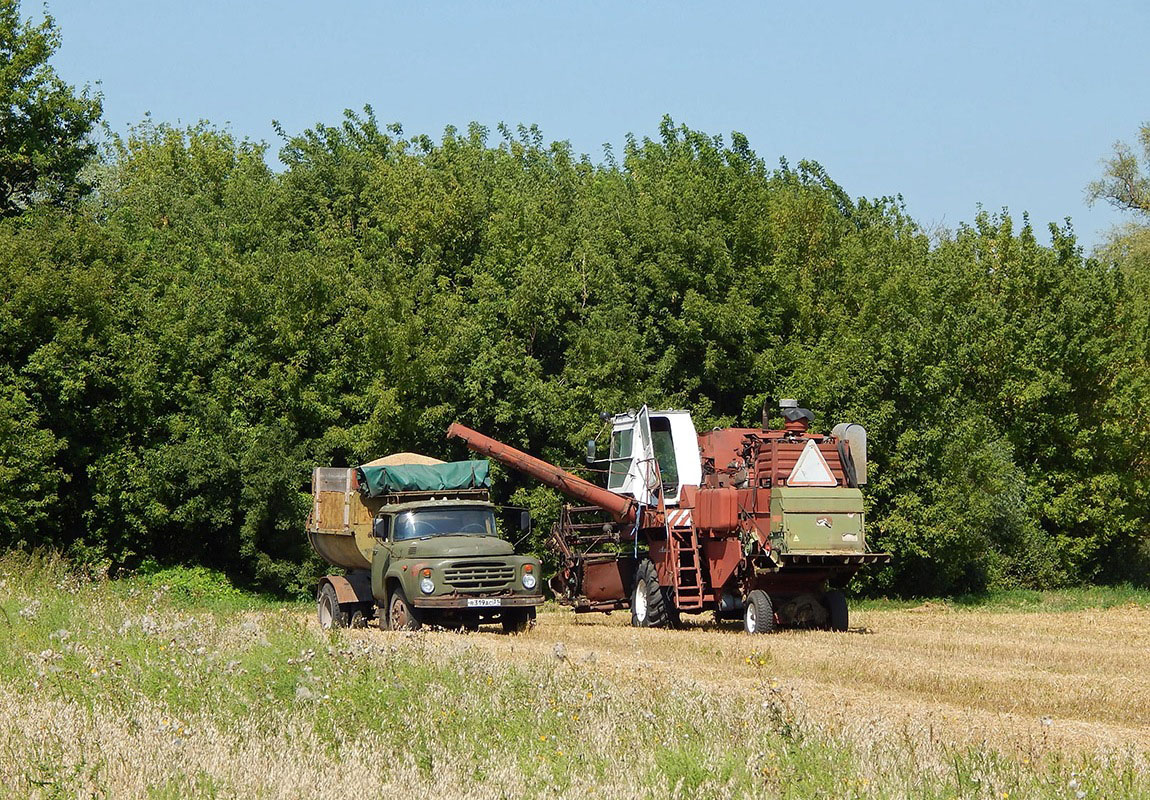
[605, 581]
[723, 557]
[687, 496]
[717, 510]
[351, 589]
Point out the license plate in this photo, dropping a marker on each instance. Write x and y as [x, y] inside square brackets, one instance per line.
[483, 602]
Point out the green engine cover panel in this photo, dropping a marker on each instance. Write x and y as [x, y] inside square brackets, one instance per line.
[816, 520]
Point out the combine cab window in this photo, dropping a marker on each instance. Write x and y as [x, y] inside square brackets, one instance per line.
[620, 458]
[444, 522]
[665, 452]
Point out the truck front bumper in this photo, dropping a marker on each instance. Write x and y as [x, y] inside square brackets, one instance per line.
[461, 601]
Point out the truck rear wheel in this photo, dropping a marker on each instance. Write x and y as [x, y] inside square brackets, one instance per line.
[649, 604]
[759, 616]
[401, 615]
[330, 614]
[839, 616]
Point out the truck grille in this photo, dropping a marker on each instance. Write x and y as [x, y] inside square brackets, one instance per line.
[473, 575]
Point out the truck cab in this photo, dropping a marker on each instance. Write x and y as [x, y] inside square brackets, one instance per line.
[442, 560]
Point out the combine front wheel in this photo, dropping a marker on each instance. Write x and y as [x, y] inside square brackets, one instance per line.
[760, 614]
[649, 607]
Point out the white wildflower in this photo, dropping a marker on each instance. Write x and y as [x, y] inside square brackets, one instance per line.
[30, 610]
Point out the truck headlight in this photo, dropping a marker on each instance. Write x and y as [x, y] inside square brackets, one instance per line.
[528, 580]
[426, 584]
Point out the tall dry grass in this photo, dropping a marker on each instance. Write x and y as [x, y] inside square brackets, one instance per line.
[120, 689]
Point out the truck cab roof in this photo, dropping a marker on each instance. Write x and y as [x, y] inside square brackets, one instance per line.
[443, 502]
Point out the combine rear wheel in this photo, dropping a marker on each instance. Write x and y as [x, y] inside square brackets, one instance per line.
[759, 616]
[328, 609]
[649, 605]
[836, 603]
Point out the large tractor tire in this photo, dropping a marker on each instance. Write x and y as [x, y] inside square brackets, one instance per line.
[651, 605]
[328, 609]
[838, 617]
[401, 615]
[759, 615]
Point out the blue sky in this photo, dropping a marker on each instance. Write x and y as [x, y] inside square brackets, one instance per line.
[949, 104]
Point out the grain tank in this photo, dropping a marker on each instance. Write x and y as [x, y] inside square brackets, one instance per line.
[765, 524]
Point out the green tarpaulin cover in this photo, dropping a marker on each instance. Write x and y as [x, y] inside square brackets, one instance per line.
[376, 481]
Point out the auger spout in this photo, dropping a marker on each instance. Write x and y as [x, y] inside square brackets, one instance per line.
[619, 507]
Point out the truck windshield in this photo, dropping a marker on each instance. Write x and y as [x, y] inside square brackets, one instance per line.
[444, 522]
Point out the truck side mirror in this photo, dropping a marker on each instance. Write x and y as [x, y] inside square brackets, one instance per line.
[379, 527]
[590, 451]
[524, 521]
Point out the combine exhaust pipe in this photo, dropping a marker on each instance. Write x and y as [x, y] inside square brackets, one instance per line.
[622, 509]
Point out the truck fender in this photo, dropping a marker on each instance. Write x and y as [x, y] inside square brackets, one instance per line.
[354, 588]
[394, 577]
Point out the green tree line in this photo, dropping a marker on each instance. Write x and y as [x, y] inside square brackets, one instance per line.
[185, 332]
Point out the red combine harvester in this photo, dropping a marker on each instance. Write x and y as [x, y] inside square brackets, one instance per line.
[756, 523]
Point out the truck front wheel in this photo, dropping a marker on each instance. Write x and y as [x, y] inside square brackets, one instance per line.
[518, 620]
[400, 614]
[327, 608]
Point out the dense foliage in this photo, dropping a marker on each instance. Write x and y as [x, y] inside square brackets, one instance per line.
[179, 350]
[44, 122]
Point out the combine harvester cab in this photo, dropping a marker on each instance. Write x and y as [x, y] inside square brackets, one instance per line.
[758, 523]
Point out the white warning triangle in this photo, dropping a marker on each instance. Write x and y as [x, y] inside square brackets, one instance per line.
[811, 469]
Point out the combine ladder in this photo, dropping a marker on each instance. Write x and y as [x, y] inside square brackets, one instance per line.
[688, 574]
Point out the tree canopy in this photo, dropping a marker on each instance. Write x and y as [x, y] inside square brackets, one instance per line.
[1125, 182]
[44, 122]
[183, 348]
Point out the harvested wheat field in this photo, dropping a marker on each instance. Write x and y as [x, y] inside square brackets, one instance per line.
[1025, 682]
[141, 689]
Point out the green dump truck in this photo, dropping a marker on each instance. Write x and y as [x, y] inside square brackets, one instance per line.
[417, 540]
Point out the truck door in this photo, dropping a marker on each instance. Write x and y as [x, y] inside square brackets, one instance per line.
[380, 555]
